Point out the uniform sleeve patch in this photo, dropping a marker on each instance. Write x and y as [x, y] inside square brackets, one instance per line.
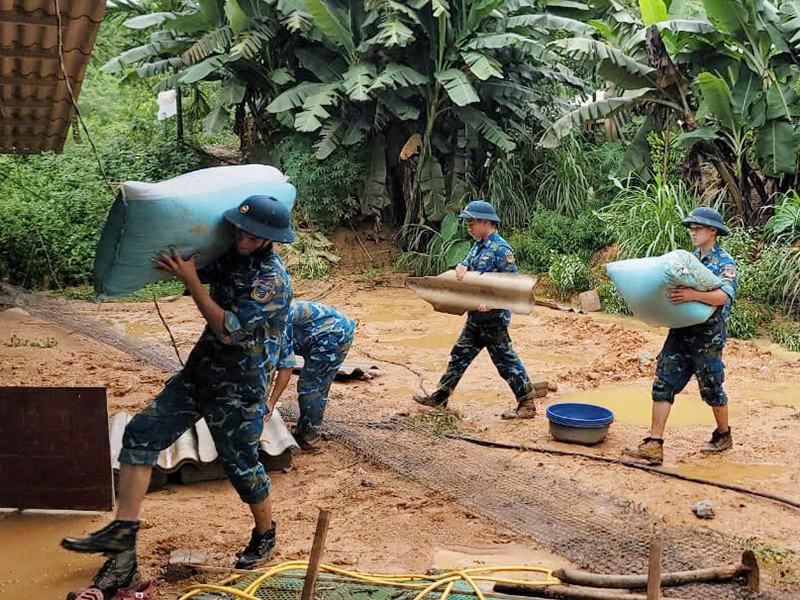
[263, 289]
[729, 270]
[509, 256]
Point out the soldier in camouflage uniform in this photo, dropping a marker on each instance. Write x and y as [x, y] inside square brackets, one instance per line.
[486, 328]
[225, 379]
[322, 336]
[696, 350]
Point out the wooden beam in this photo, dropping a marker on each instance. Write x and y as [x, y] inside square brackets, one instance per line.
[654, 570]
[310, 584]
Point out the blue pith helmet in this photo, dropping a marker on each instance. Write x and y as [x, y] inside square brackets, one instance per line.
[705, 215]
[264, 217]
[480, 209]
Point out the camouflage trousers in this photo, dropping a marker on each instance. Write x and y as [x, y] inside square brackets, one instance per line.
[235, 425]
[322, 360]
[695, 350]
[494, 337]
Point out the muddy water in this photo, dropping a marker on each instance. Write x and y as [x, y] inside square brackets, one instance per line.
[48, 571]
[732, 473]
[785, 394]
[633, 405]
[430, 341]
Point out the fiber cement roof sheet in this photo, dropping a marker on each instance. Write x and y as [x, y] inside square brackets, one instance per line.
[35, 106]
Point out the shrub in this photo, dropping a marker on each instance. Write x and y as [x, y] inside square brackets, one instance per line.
[786, 334]
[326, 190]
[744, 321]
[646, 221]
[568, 275]
[785, 223]
[612, 300]
[443, 249]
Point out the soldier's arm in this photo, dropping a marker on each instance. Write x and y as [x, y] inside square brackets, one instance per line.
[505, 261]
[286, 362]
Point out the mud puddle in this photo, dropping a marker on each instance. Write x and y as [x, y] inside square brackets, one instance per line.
[48, 571]
[430, 341]
[633, 405]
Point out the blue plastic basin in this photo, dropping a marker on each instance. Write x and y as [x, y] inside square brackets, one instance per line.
[579, 423]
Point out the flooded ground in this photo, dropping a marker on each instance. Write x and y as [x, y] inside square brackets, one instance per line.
[593, 358]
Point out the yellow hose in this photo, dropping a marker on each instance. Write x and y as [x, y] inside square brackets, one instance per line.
[424, 583]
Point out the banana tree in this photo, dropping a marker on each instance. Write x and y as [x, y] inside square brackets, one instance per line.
[441, 79]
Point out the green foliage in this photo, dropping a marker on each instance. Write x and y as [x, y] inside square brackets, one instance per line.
[646, 221]
[444, 249]
[552, 232]
[744, 321]
[785, 223]
[54, 205]
[442, 421]
[758, 277]
[568, 275]
[663, 145]
[326, 195]
[612, 300]
[741, 245]
[562, 183]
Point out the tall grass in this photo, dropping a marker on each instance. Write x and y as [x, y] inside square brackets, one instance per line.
[562, 182]
[646, 221]
[785, 223]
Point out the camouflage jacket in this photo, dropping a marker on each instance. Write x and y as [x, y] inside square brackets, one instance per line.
[723, 266]
[312, 324]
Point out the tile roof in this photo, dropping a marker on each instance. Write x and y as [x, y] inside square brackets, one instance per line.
[35, 107]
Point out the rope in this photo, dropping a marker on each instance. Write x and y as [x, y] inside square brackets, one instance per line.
[398, 364]
[169, 331]
[424, 583]
[627, 463]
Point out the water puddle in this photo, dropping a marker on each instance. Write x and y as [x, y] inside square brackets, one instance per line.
[633, 405]
[731, 473]
[32, 562]
[780, 395]
[547, 357]
[776, 350]
[145, 331]
[430, 341]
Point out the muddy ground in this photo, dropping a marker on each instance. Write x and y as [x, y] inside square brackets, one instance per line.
[597, 358]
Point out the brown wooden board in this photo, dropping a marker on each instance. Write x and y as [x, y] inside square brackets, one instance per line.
[54, 449]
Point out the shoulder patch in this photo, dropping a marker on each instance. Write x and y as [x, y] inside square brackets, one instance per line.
[728, 270]
[509, 256]
[263, 289]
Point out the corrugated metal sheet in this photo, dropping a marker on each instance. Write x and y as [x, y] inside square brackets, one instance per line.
[35, 107]
[496, 290]
[196, 448]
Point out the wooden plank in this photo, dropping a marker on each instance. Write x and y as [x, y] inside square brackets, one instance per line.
[54, 451]
[316, 556]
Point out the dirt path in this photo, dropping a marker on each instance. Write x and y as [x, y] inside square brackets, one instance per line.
[599, 359]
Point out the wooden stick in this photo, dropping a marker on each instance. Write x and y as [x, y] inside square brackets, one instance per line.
[746, 569]
[567, 591]
[654, 570]
[316, 555]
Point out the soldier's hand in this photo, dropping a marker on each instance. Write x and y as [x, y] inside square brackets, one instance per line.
[461, 270]
[185, 270]
[482, 307]
[681, 294]
[267, 417]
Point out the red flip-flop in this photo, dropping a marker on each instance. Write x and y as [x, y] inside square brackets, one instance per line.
[91, 593]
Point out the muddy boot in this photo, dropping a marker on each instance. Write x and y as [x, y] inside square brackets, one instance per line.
[719, 442]
[117, 536]
[526, 409]
[309, 442]
[437, 399]
[119, 571]
[258, 550]
[651, 450]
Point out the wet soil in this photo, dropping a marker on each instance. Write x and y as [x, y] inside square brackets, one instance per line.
[595, 358]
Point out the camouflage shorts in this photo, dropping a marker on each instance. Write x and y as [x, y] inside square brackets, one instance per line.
[692, 351]
[236, 428]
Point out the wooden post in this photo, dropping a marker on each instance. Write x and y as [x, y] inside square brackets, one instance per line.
[316, 556]
[654, 570]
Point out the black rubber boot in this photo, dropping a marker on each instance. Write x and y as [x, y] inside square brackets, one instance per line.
[258, 550]
[437, 399]
[117, 536]
[119, 571]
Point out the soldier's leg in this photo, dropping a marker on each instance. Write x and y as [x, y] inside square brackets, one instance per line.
[505, 359]
[710, 373]
[149, 432]
[467, 347]
[314, 384]
[236, 430]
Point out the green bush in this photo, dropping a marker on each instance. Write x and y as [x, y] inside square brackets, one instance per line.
[744, 321]
[443, 249]
[646, 221]
[326, 190]
[758, 278]
[550, 231]
[568, 275]
[612, 300]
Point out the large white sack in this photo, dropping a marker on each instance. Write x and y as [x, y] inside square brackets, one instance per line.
[184, 212]
[644, 282]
